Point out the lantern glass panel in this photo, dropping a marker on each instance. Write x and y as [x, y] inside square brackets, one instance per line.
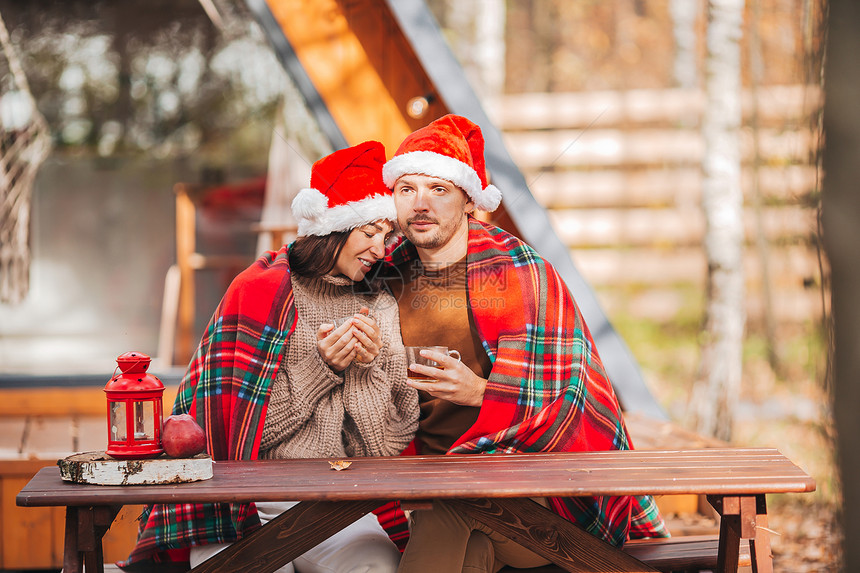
[117, 422]
[144, 421]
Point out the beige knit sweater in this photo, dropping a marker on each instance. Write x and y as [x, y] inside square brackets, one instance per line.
[367, 410]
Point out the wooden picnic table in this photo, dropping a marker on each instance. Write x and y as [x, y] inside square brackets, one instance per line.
[494, 489]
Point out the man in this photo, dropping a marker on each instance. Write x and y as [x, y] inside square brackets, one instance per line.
[529, 378]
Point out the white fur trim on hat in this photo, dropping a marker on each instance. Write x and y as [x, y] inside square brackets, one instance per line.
[444, 167]
[341, 217]
[309, 204]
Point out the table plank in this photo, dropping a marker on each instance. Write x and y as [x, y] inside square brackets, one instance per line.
[657, 472]
[681, 553]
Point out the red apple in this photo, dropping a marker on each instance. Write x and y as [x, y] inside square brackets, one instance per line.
[182, 437]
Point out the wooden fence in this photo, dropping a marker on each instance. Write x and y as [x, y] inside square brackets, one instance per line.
[619, 174]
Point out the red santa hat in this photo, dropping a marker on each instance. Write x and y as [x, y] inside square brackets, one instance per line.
[346, 192]
[450, 148]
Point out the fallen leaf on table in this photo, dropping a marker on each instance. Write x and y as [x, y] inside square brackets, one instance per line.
[339, 465]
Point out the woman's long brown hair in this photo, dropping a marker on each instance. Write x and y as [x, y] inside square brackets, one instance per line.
[313, 256]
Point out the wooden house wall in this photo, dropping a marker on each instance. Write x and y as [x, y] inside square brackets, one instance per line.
[620, 175]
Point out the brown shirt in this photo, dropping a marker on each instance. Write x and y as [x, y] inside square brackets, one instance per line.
[434, 311]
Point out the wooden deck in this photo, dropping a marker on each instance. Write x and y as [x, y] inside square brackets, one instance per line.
[38, 426]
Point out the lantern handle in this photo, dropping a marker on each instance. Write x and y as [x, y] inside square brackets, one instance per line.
[129, 361]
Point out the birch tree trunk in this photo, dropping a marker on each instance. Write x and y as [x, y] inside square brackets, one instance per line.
[717, 386]
[684, 16]
[479, 42]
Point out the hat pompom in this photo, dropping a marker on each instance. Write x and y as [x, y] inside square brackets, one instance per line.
[309, 204]
[488, 198]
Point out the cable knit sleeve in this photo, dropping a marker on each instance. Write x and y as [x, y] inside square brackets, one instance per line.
[307, 390]
[381, 409]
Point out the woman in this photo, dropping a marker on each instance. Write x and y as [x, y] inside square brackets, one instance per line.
[316, 390]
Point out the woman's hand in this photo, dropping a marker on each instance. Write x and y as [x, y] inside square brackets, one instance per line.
[369, 336]
[337, 346]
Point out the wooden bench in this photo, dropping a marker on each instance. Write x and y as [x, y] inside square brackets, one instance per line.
[689, 553]
[494, 489]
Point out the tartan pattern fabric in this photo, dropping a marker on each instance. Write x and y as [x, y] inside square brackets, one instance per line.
[393, 519]
[548, 390]
[226, 389]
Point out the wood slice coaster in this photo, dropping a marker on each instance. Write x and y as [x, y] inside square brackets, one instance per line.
[101, 469]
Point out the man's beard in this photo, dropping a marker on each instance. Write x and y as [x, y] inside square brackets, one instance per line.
[434, 239]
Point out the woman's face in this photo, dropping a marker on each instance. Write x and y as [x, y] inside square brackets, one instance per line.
[364, 246]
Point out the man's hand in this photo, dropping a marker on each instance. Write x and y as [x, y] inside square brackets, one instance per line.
[337, 346]
[452, 381]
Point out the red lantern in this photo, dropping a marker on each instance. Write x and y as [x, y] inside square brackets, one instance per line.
[134, 409]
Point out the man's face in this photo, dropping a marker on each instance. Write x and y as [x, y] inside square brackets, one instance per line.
[430, 210]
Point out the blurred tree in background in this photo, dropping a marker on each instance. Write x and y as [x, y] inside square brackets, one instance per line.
[152, 77]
